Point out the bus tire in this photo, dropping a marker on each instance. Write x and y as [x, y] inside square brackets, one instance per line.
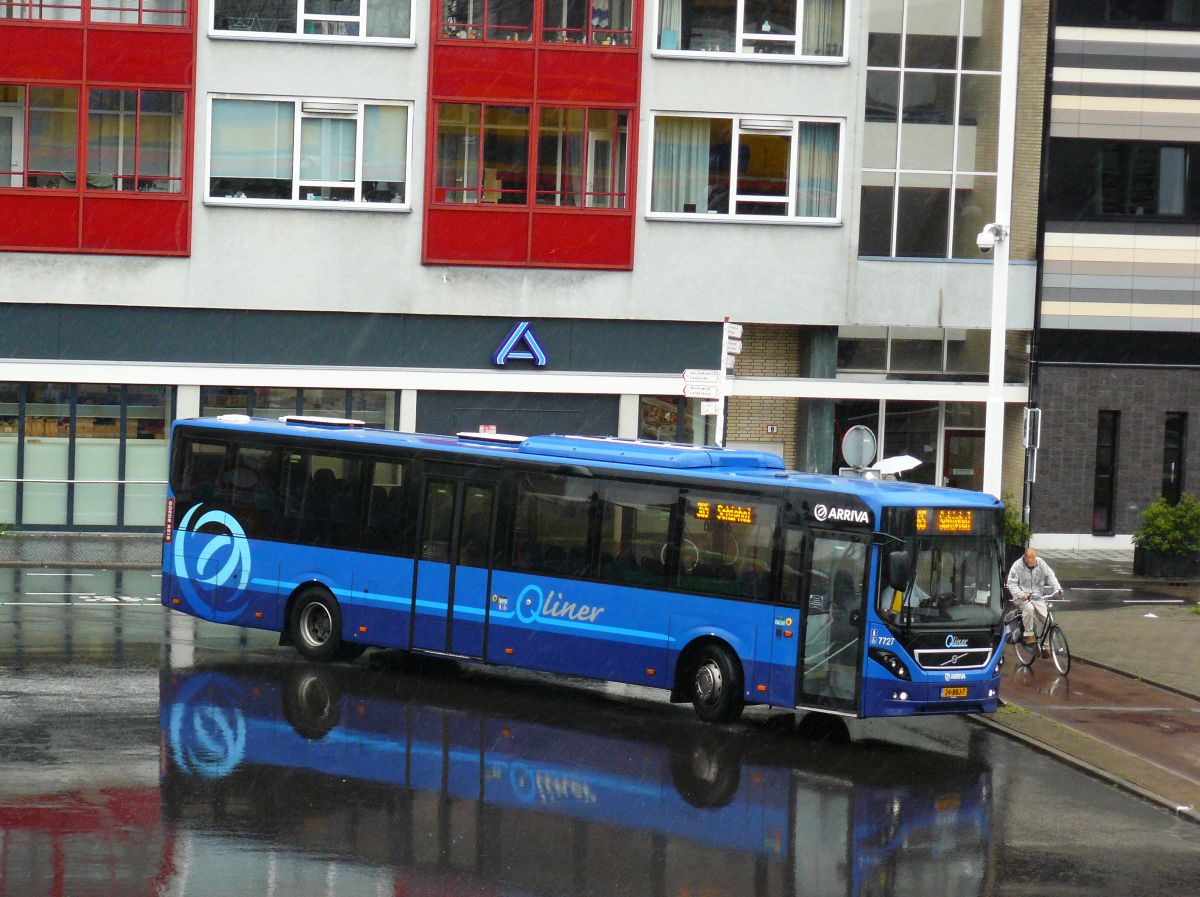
[716, 684]
[706, 773]
[316, 624]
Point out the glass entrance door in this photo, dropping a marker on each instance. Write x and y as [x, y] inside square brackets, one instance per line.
[834, 619]
[962, 466]
[450, 601]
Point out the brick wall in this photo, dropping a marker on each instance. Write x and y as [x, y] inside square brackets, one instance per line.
[1071, 399]
[768, 350]
[1031, 88]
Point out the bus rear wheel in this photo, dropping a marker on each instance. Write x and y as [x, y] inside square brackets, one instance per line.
[316, 625]
[716, 678]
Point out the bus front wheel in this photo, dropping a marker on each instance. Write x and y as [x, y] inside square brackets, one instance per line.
[716, 679]
[316, 625]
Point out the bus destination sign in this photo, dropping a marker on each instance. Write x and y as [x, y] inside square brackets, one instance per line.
[706, 510]
[945, 520]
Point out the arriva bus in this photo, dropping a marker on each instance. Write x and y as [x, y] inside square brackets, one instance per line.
[712, 573]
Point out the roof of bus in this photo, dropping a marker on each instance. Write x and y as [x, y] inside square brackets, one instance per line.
[709, 462]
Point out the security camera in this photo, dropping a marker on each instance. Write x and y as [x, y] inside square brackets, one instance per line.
[986, 240]
[990, 235]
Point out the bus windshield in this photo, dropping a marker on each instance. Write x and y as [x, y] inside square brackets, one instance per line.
[955, 581]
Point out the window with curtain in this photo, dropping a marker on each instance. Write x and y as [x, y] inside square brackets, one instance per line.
[487, 19]
[340, 20]
[308, 152]
[782, 28]
[596, 22]
[746, 167]
[135, 141]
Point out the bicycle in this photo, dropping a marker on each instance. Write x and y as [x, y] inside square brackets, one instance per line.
[1051, 638]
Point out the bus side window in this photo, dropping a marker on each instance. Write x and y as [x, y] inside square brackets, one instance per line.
[552, 525]
[387, 524]
[635, 524]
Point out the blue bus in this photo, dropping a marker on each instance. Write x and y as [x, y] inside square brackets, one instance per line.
[424, 770]
[714, 574]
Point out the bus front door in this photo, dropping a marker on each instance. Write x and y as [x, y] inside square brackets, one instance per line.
[834, 621]
[450, 598]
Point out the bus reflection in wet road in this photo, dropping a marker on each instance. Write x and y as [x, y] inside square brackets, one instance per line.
[476, 786]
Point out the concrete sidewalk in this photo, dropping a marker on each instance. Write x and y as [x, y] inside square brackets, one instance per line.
[101, 550]
[1127, 710]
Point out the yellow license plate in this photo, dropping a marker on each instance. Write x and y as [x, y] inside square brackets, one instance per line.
[954, 692]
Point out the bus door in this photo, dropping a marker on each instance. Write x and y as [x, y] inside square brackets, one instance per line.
[453, 557]
[835, 611]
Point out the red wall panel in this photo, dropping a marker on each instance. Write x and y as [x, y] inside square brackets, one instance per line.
[587, 76]
[582, 240]
[130, 56]
[39, 220]
[41, 53]
[477, 236]
[483, 73]
[133, 223]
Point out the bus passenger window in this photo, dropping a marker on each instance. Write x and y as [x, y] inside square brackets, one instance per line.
[635, 528]
[727, 545]
[553, 517]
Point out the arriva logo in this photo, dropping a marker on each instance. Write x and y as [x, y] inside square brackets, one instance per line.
[222, 568]
[842, 515]
[533, 605]
[953, 641]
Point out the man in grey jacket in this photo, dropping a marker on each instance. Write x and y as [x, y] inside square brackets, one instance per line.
[1031, 582]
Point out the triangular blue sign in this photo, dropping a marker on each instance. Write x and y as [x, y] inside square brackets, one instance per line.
[521, 333]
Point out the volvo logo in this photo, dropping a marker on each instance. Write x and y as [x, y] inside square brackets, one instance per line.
[217, 583]
[842, 515]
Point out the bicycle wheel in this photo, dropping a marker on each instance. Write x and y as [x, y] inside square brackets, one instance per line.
[1059, 651]
[1026, 654]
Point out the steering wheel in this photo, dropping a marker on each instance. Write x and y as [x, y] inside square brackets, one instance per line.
[684, 565]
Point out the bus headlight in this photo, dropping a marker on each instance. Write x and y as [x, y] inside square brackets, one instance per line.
[889, 662]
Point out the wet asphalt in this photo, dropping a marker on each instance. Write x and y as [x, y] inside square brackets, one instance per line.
[145, 752]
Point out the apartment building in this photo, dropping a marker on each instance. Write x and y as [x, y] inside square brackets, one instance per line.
[527, 215]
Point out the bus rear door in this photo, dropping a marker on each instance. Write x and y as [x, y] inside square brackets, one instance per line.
[453, 561]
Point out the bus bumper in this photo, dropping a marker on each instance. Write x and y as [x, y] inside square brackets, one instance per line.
[896, 697]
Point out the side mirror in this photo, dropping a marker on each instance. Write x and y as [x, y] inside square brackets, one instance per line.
[897, 570]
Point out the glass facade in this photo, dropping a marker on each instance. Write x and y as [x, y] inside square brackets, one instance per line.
[932, 125]
[86, 456]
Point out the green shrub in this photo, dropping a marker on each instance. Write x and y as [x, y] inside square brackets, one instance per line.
[1016, 531]
[1171, 529]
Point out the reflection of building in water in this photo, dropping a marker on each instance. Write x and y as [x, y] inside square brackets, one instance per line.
[484, 789]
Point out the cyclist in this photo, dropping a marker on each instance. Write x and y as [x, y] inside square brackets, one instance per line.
[1027, 583]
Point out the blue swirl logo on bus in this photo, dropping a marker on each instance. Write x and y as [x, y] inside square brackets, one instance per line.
[222, 567]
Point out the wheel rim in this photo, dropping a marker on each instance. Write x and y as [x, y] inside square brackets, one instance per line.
[709, 684]
[1058, 649]
[316, 624]
[1025, 653]
[314, 698]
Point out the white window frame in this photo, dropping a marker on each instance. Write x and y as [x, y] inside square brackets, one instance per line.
[731, 217]
[737, 52]
[315, 103]
[301, 17]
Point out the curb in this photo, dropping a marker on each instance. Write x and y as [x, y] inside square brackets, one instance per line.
[1188, 813]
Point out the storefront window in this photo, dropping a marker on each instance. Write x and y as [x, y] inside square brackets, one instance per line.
[675, 419]
[911, 428]
[274, 401]
[375, 408]
[97, 454]
[10, 410]
[217, 400]
[147, 416]
[47, 451]
[323, 402]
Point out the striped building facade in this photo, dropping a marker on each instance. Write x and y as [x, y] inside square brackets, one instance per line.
[1118, 349]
